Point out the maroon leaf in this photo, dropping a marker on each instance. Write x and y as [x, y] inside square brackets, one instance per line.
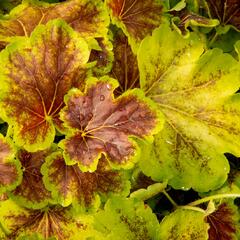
[98, 124]
[137, 18]
[125, 65]
[223, 223]
[227, 11]
[32, 192]
[68, 184]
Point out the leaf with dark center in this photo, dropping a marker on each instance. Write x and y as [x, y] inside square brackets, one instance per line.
[31, 192]
[87, 17]
[136, 18]
[36, 73]
[125, 65]
[226, 11]
[48, 223]
[99, 124]
[102, 56]
[10, 168]
[69, 185]
[224, 222]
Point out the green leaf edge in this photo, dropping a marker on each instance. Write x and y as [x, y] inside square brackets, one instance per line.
[54, 192]
[138, 93]
[19, 45]
[134, 44]
[11, 159]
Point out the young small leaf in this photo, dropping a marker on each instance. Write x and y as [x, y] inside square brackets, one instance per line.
[35, 75]
[127, 218]
[69, 185]
[136, 18]
[99, 124]
[195, 92]
[103, 57]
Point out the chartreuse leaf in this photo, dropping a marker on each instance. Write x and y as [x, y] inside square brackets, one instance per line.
[152, 190]
[126, 218]
[2, 234]
[136, 18]
[176, 5]
[32, 193]
[195, 92]
[184, 224]
[125, 65]
[224, 222]
[89, 17]
[10, 168]
[99, 124]
[69, 185]
[36, 73]
[54, 222]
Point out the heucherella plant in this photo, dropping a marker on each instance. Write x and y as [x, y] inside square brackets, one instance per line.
[119, 119]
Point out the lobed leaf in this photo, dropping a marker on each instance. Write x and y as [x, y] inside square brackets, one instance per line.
[32, 193]
[136, 18]
[224, 222]
[48, 223]
[10, 170]
[99, 124]
[69, 185]
[88, 17]
[195, 92]
[35, 76]
[184, 225]
[126, 217]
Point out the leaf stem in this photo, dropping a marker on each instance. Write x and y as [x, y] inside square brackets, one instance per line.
[192, 208]
[214, 197]
[214, 38]
[170, 199]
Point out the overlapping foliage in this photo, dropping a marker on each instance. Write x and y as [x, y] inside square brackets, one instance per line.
[119, 119]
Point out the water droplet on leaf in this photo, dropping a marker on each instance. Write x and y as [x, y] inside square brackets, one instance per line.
[102, 98]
